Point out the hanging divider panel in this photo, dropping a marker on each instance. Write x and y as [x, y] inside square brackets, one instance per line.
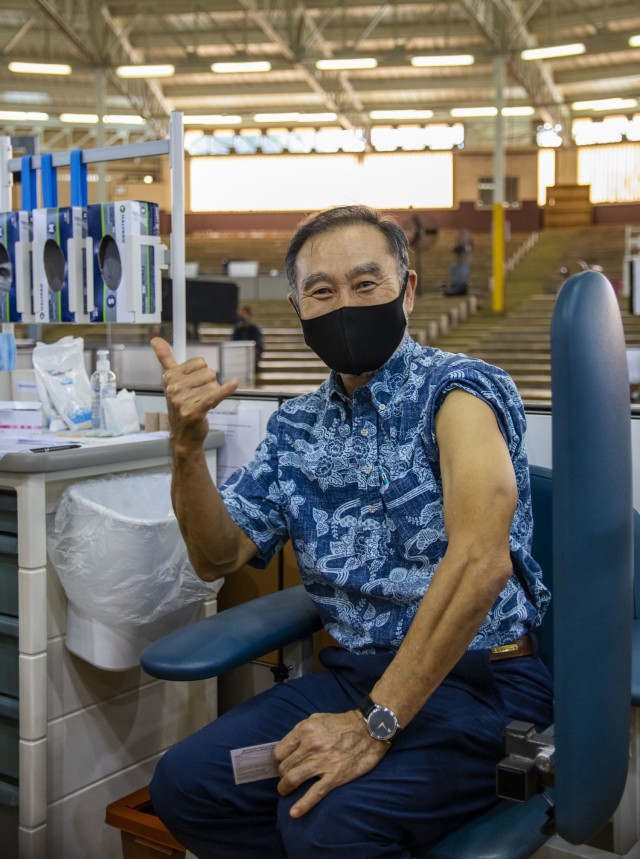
[29, 187]
[79, 195]
[80, 248]
[49, 182]
[21, 308]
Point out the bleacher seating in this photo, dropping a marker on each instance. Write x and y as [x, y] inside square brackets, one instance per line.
[518, 340]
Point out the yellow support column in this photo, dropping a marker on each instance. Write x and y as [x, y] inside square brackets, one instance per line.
[497, 228]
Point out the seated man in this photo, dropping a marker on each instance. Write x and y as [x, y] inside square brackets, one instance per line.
[247, 329]
[403, 485]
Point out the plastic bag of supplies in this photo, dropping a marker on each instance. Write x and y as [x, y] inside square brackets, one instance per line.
[117, 549]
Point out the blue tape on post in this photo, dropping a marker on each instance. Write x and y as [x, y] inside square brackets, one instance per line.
[28, 180]
[49, 182]
[78, 178]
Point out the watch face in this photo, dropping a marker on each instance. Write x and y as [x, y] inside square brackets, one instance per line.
[382, 724]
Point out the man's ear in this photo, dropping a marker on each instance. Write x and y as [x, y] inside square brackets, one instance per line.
[410, 291]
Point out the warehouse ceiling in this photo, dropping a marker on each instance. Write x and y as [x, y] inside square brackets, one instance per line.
[293, 35]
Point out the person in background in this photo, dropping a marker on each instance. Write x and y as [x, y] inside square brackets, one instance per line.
[247, 329]
[460, 271]
[403, 484]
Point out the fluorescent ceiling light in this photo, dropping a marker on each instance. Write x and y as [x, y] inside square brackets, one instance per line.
[401, 114]
[524, 110]
[40, 68]
[23, 116]
[212, 119]
[317, 117]
[241, 66]
[294, 116]
[337, 64]
[123, 119]
[16, 97]
[474, 111]
[452, 60]
[276, 117]
[634, 41]
[164, 70]
[605, 104]
[81, 118]
[553, 51]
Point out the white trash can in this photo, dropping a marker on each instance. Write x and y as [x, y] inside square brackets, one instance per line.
[117, 549]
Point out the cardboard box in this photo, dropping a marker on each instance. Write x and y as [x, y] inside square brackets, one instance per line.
[62, 289]
[16, 417]
[127, 258]
[15, 267]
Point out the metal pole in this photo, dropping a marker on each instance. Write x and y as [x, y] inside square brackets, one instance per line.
[497, 301]
[178, 278]
[101, 93]
[6, 177]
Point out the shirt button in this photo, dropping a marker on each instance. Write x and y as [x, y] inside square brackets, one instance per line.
[383, 408]
[364, 432]
[372, 509]
[367, 469]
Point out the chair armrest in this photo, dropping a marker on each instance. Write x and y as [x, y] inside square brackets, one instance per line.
[235, 636]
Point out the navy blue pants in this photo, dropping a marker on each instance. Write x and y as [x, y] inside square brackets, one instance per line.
[439, 771]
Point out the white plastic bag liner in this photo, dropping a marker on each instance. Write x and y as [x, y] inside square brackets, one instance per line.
[117, 548]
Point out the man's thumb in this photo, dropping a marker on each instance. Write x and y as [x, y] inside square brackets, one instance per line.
[164, 353]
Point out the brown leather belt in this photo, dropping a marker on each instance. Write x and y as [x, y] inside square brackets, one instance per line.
[520, 647]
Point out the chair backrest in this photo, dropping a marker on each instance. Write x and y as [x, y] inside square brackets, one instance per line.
[592, 554]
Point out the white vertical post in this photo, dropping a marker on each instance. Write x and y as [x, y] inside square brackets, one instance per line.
[6, 177]
[178, 279]
[101, 100]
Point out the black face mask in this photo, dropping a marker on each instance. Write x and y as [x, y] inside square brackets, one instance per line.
[356, 340]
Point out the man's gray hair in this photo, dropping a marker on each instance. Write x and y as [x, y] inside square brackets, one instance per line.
[347, 216]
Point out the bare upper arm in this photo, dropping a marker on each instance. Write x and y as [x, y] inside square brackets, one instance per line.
[478, 479]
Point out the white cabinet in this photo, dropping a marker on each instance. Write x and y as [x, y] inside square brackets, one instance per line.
[73, 737]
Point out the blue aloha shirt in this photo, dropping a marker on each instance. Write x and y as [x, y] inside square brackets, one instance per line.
[355, 484]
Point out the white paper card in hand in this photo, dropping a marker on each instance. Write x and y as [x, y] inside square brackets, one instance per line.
[254, 763]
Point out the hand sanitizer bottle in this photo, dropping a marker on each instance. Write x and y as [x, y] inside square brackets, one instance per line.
[103, 385]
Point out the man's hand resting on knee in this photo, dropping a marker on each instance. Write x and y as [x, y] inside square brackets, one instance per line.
[334, 748]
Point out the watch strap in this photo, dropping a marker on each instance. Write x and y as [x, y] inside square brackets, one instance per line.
[366, 706]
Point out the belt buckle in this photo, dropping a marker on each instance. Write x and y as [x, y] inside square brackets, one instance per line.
[506, 648]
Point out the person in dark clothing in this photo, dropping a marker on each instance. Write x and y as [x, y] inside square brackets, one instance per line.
[247, 329]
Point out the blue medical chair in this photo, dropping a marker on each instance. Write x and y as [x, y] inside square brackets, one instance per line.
[584, 530]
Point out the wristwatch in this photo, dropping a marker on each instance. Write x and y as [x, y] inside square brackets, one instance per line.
[381, 722]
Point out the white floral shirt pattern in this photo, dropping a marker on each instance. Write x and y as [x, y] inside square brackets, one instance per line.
[355, 484]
